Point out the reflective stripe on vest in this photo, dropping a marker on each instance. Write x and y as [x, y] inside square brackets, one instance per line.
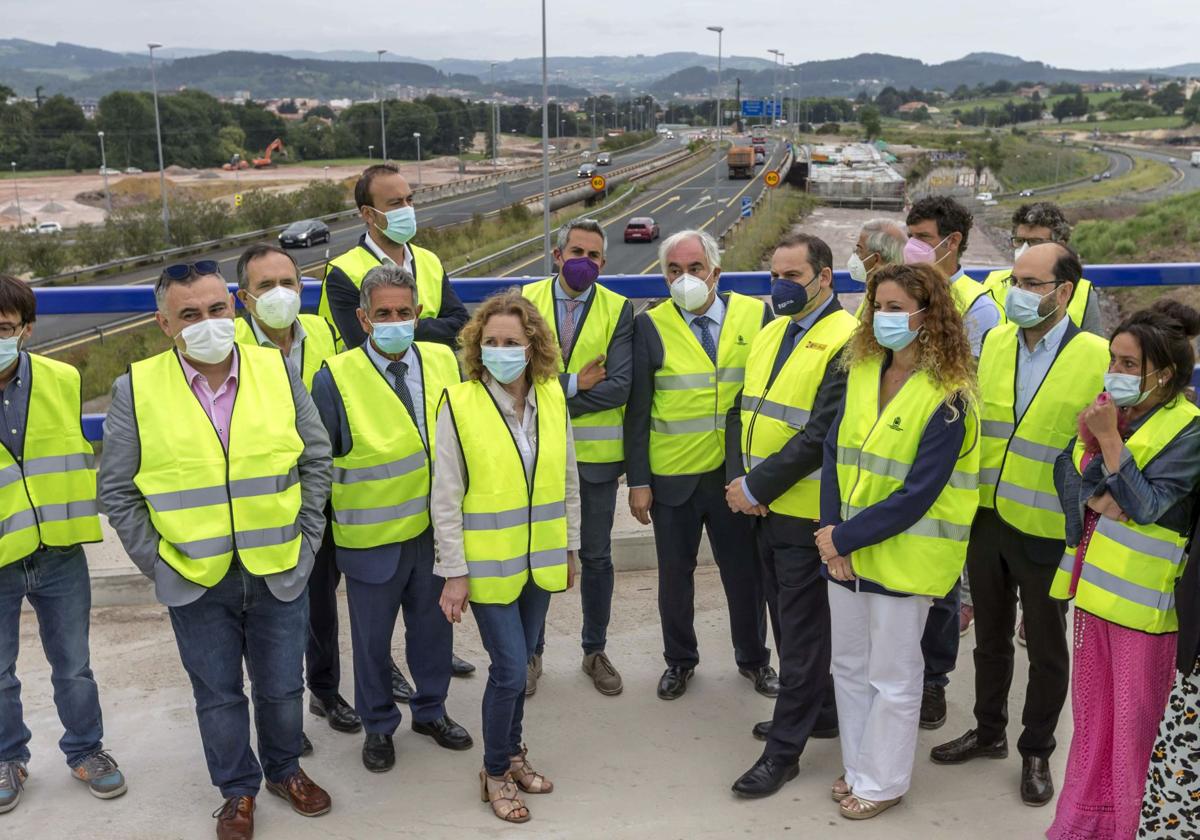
[997, 284]
[966, 291]
[691, 395]
[320, 343]
[772, 415]
[381, 485]
[355, 263]
[48, 498]
[512, 528]
[1017, 460]
[205, 502]
[1129, 571]
[875, 452]
[599, 435]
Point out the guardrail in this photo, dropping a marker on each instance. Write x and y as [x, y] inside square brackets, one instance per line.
[784, 167]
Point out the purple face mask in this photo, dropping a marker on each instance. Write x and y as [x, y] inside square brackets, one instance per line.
[579, 273]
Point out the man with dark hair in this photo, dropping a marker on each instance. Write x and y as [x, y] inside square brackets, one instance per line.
[215, 476]
[1037, 224]
[793, 387]
[48, 509]
[385, 204]
[269, 289]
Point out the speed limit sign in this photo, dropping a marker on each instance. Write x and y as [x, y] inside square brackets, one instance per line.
[599, 183]
[771, 179]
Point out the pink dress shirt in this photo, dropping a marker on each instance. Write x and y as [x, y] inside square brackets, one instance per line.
[218, 406]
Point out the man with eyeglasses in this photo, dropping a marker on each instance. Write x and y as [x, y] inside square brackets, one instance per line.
[1036, 373]
[48, 508]
[1037, 224]
[215, 475]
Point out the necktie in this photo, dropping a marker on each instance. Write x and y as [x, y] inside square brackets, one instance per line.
[399, 370]
[706, 337]
[785, 350]
[568, 327]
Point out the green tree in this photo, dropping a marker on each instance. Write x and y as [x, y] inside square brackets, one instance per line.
[232, 141]
[868, 115]
[1170, 98]
[127, 120]
[1191, 111]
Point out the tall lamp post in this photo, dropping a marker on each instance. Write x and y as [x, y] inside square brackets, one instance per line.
[495, 122]
[17, 194]
[717, 168]
[162, 171]
[417, 137]
[547, 261]
[382, 117]
[104, 172]
[774, 84]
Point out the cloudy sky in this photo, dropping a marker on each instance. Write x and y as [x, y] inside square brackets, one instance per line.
[1095, 34]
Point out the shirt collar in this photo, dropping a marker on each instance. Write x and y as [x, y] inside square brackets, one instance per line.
[559, 294]
[381, 361]
[1051, 340]
[716, 312]
[958, 275]
[504, 399]
[190, 373]
[298, 333]
[22, 375]
[369, 244]
[811, 318]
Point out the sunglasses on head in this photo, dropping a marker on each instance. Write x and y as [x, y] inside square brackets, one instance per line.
[182, 271]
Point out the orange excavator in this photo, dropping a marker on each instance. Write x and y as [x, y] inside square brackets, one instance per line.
[238, 162]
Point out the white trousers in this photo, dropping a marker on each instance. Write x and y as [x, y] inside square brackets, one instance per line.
[878, 674]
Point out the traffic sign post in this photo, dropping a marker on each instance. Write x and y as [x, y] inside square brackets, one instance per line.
[237, 199]
[747, 207]
[599, 182]
[771, 179]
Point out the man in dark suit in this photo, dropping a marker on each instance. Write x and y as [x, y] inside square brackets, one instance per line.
[793, 389]
[676, 455]
[378, 403]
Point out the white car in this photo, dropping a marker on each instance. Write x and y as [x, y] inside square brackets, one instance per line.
[984, 196]
[45, 227]
[132, 170]
[108, 170]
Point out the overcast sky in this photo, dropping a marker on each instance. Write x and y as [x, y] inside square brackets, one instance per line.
[1083, 34]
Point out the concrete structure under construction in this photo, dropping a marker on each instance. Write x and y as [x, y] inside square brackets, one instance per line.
[851, 175]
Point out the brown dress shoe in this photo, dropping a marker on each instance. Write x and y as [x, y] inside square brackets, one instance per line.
[306, 797]
[235, 819]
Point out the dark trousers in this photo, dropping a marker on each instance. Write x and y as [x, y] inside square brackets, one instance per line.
[939, 643]
[322, 660]
[677, 531]
[56, 583]
[509, 633]
[238, 619]
[598, 506]
[798, 602]
[1002, 570]
[427, 639]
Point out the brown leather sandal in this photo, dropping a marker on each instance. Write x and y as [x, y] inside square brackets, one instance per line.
[527, 779]
[501, 794]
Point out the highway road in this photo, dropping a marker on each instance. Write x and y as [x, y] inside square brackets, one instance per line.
[342, 236]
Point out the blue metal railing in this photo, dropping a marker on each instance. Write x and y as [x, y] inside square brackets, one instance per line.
[82, 300]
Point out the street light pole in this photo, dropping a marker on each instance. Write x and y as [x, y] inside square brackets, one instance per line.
[495, 122]
[162, 171]
[547, 262]
[417, 137]
[716, 166]
[382, 116]
[371, 152]
[104, 172]
[774, 85]
[17, 194]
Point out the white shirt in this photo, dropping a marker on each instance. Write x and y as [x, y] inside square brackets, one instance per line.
[449, 478]
[412, 378]
[370, 245]
[716, 312]
[296, 354]
[1033, 365]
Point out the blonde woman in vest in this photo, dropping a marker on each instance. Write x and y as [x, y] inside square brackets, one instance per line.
[899, 488]
[1126, 485]
[506, 518]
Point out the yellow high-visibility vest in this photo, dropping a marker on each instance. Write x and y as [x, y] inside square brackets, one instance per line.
[512, 527]
[997, 283]
[48, 491]
[359, 260]
[206, 503]
[966, 291]
[599, 435]
[772, 415]
[320, 342]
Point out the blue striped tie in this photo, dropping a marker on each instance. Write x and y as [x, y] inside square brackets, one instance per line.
[706, 338]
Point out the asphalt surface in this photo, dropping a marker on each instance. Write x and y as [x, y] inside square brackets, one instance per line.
[51, 329]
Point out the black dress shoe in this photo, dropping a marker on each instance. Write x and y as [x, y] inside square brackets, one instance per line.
[306, 747]
[767, 776]
[933, 707]
[766, 681]
[402, 690]
[378, 753]
[460, 667]
[1037, 788]
[341, 717]
[445, 732]
[674, 682]
[966, 747]
[762, 730]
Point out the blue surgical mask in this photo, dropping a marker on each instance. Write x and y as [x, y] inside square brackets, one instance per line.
[9, 348]
[401, 224]
[1126, 388]
[891, 329]
[788, 298]
[393, 337]
[504, 363]
[1022, 307]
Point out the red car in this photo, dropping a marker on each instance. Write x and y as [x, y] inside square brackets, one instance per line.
[642, 229]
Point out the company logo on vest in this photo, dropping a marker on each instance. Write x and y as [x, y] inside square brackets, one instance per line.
[895, 425]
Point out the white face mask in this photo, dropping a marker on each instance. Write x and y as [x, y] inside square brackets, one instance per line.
[10, 348]
[277, 307]
[208, 341]
[689, 292]
[857, 268]
[1020, 250]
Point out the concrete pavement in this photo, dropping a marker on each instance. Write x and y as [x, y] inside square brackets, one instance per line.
[630, 766]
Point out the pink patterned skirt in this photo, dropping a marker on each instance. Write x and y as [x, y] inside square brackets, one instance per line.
[1120, 680]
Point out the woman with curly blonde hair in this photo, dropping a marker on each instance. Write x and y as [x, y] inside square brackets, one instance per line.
[505, 510]
[899, 489]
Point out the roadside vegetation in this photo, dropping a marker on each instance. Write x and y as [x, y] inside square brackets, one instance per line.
[754, 240]
[1147, 174]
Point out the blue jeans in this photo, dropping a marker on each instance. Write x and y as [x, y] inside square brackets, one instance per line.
[939, 643]
[509, 633]
[240, 617]
[56, 583]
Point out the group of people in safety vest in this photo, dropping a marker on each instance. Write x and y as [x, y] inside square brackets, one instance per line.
[871, 484]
